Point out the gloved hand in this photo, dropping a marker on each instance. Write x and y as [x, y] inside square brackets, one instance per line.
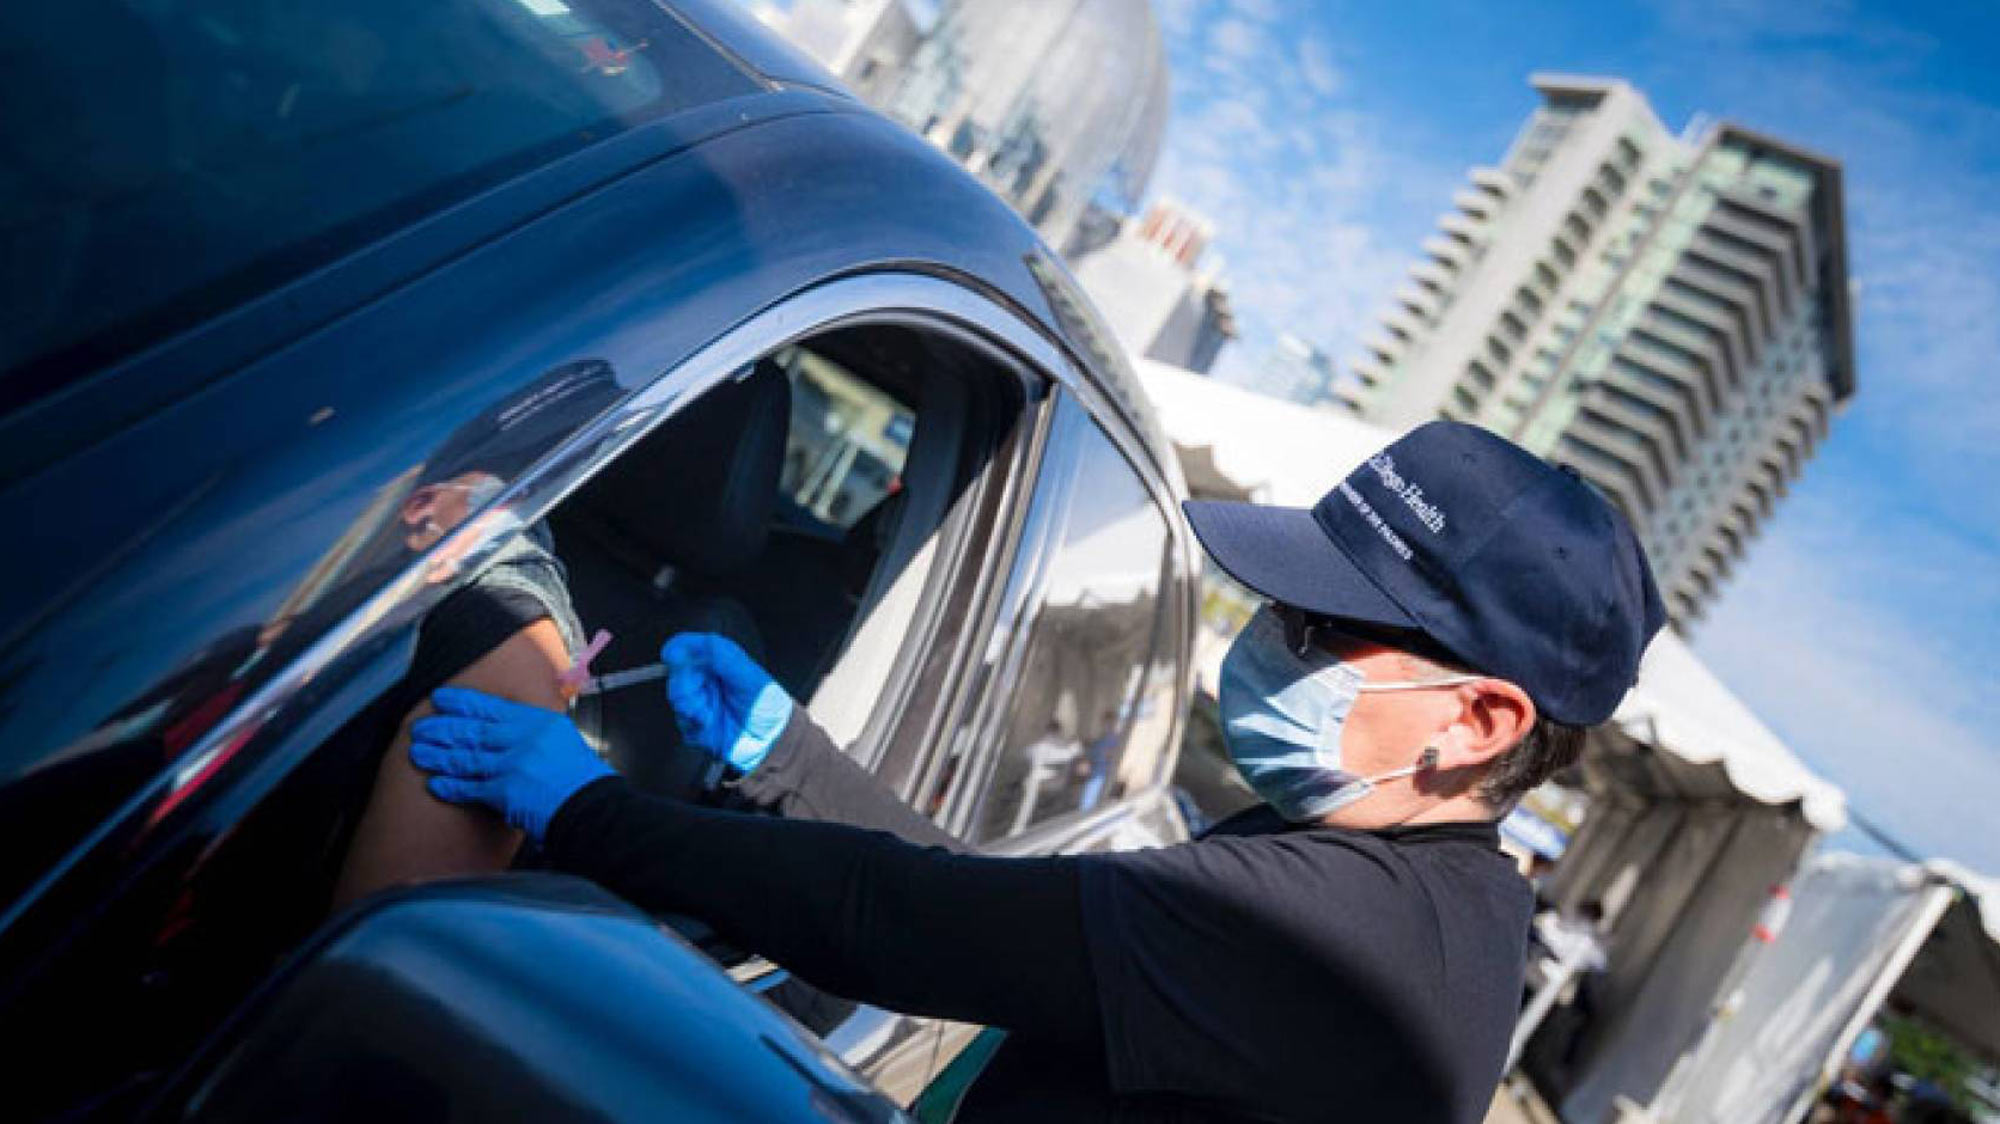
[723, 702]
[519, 760]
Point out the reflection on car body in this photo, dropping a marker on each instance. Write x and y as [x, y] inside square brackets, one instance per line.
[883, 445]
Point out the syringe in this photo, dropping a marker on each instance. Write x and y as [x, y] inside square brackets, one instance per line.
[612, 681]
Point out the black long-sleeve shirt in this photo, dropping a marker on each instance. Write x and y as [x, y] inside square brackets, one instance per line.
[1265, 971]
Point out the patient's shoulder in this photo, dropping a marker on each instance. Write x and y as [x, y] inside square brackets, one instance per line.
[525, 667]
[469, 627]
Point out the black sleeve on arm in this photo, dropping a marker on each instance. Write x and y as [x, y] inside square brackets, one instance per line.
[461, 630]
[858, 913]
[806, 777]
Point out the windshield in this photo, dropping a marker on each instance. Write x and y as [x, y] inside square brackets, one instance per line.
[161, 160]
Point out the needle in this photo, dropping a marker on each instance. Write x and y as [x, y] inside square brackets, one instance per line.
[612, 681]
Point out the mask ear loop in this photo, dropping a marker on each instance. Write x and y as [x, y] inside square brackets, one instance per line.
[1426, 762]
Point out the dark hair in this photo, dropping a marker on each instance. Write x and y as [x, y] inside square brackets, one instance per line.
[1549, 747]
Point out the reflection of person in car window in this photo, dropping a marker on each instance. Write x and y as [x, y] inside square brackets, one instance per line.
[433, 509]
[511, 631]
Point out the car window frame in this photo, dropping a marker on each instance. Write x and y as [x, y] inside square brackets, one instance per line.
[1074, 416]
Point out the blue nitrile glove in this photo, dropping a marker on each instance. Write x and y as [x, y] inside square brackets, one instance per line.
[519, 760]
[723, 702]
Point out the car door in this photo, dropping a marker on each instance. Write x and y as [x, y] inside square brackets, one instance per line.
[536, 997]
[214, 894]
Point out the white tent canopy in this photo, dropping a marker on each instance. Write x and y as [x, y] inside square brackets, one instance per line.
[1679, 706]
[1273, 451]
[1863, 931]
[1955, 981]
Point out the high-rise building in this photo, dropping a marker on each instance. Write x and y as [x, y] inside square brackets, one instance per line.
[1058, 105]
[1668, 314]
[1299, 371]
[866, 43]
[1149, 284]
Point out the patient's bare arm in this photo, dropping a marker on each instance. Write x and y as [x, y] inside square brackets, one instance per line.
[408, 836]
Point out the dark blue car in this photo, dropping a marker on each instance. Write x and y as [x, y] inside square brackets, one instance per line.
[308, 313]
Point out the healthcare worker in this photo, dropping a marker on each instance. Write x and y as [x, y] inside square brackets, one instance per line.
[1440, 630]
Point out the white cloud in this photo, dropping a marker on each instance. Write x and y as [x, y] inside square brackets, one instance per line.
[1178, 17]
[1863, 692]
[1300, 183]
[1236, 42]
[1258, 11]
[1316, 66]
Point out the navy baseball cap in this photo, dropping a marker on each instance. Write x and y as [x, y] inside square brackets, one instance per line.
[1511, 566]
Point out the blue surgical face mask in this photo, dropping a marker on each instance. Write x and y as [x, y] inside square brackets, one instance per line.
[1283, 715]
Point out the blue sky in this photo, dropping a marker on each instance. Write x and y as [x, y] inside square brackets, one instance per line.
[1325, 138]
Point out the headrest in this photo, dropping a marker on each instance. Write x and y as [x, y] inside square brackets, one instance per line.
[869, 538]
[699, 492]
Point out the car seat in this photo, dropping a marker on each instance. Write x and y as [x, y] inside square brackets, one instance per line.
[650, 543]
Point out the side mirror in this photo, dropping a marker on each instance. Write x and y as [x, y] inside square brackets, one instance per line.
[525, 997]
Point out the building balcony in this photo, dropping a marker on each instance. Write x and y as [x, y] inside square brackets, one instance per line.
[1677, 404]
[1640, 460]
[1737, 348]
[1651, 360]
[1494, 182]
[1818, 401]
[1716, 553]
[1383, 347]
[1611, 475]
[1370, 370]
[1435, 275]
[1417, 299]
[1476, 203]
[1447, 253]
[1701, 353]
[1404, 323]
[1764, 268]
[1666, 427]
[1472, 230]
[1750, 216]
[1760, 493]
[1728, 287]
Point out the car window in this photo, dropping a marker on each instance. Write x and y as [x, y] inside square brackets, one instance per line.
[159, 162]
[1094, 636]
[847, 445]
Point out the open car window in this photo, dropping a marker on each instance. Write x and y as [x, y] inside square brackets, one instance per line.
[796, 508]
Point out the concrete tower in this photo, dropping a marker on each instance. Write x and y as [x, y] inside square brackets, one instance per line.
[1667, 314]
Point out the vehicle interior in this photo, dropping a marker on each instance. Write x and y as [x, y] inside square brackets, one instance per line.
[781, 509]
[797, 507]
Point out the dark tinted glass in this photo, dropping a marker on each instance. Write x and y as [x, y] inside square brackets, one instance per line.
[159, 161]
[1092, 641]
